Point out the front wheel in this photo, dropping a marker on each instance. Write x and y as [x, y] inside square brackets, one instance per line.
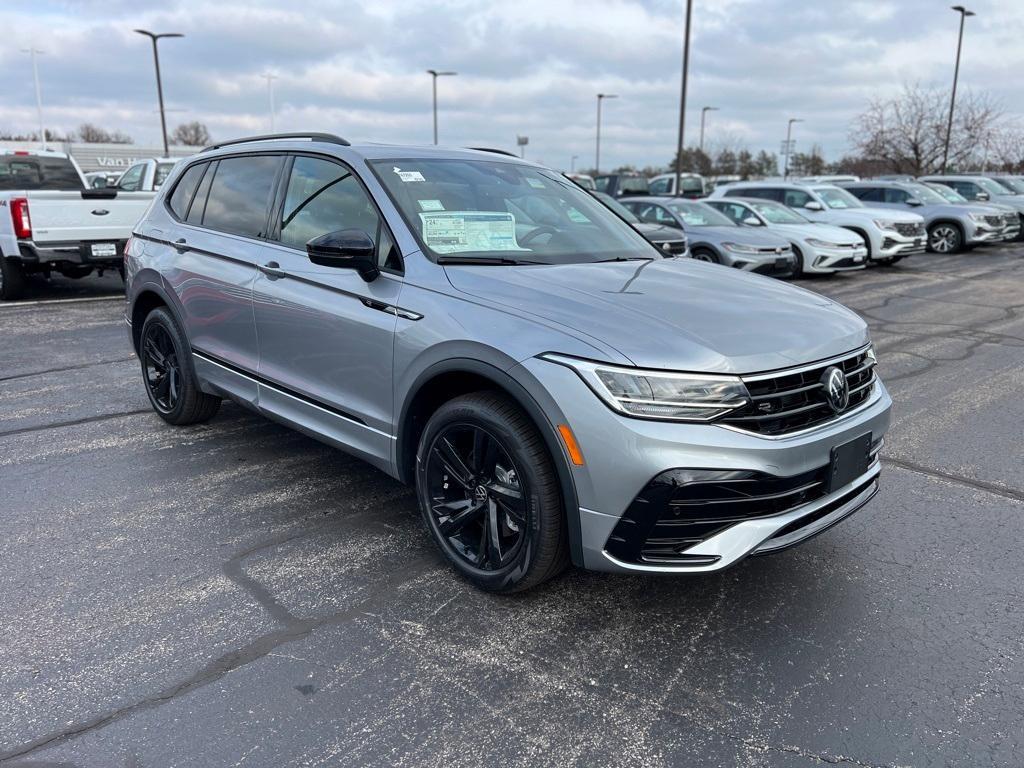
[702, 254]
[168, 373]
[945, 238]
[489, 494]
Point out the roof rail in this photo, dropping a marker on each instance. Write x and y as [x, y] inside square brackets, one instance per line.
[328, 138]
[495, 151]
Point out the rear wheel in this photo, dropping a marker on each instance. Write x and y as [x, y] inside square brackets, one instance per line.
[12, 279]
[168, 373]
[945, 238]
[489, 495]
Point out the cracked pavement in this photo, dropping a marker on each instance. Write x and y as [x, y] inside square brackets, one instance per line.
[238, 594]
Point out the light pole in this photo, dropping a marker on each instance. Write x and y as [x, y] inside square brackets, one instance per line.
[703, 114]
[597, 152]
[159, 86]
[964, 13]
[682, 98]
[270, 78]
[789, 145]
[436, 74]
[33, 52]
[572, 164]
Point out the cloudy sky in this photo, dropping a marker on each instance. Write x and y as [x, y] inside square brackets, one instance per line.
[528, 67]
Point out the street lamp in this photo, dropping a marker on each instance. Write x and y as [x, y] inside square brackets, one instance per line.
[703, 113]
[789, 145]
[682, 98]
[964, 13]
[572, 163]
[33, 52]
[270, 78]
[159, 86]
[597, 153]
[436, 74]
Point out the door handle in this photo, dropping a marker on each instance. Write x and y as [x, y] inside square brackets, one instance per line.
[180, 245]
[272, 269]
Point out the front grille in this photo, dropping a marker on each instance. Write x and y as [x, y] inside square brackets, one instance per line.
[683, 507]
[995, 220]
[786, 402]
[673, 246]
[847, 262]
[773, 269]
[910, 230]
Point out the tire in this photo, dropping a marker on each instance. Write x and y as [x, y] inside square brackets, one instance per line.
[12, 279]
[166, 360]
[705, 255]
[489, 494]
[945, 237]
[798, 268]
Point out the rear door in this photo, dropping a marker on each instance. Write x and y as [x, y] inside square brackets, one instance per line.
[223, 209]
[326, 336]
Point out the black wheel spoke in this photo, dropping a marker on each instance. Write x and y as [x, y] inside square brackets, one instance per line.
[454, 464]
[485, 453]
[493, 534]
[156, 357]
[515, 512]
[457, 518]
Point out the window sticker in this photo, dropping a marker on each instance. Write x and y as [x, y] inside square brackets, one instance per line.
[576, 216]
[408, 176]
[535, 183]
[462, 231]
[430, 205]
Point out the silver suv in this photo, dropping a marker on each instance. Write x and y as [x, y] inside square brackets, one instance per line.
[482, 328]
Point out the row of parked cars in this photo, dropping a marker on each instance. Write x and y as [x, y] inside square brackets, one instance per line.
[818, 225]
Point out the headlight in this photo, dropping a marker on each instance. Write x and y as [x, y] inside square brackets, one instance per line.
[885, 224]
[740, 248]
[978, 218]
[821, 243]
[659, 394]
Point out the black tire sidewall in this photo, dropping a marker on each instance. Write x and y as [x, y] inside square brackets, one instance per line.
[536, 474]
[183, 354]
[12, 285]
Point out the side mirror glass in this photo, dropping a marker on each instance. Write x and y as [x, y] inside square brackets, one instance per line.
[914, 201]
[813, 205]
[752, 221]
[346, 249]
[982, 196]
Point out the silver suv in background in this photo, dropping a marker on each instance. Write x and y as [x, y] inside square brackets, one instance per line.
[981, 189]
[951, 227]
[889, 235]
[819, 248]
[481, 328]
[1011, 219]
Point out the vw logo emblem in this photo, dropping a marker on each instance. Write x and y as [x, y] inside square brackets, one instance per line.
[837, 390]
[481, 494]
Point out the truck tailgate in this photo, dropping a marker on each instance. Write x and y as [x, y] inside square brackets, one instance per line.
[68, 217]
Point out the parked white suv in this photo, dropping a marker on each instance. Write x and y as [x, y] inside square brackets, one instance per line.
[889, 235]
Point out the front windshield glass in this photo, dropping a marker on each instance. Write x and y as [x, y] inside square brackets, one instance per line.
[504, 212]
[924, 194]
[618, 207]
[1017, 185]
[776, 213]
[994, 187]
[948, 193]
[837, 198]
[700, 215]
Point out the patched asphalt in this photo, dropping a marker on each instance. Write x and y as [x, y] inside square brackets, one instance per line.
[238, 594]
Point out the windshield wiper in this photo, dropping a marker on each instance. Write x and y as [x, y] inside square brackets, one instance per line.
[624, 258]
[475, 260]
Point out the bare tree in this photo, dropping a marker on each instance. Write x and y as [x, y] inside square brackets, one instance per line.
[908, 132]
[192, 134]
[93, 134]
[1005, 149]
[808, 163]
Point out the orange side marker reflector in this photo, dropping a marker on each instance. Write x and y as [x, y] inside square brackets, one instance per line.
[571, 445]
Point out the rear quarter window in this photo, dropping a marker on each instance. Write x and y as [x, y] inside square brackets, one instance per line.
[185, 190]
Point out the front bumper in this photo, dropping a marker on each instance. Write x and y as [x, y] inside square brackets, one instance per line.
[894, 244]
[772, 264]
[978, 233]
[827, 260]
[623, 455]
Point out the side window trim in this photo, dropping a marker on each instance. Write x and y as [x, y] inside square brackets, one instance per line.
[211, 172]
[277, 209]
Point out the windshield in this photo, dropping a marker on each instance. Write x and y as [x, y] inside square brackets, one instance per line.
[994, 188]
[1017, 185]
[693, 184]
[837, 198]
[925, 194]
[618, 207]
[501, 212]
[776, 213]
[700, 215]
[163, 170]
[948, 193]
[30, 172]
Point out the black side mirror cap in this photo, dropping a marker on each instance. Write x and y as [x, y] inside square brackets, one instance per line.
[346, 249]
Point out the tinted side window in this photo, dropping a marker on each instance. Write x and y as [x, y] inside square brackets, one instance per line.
[240, 195]
[660, 186]
[795, 198]
[131, 181]
[868, 194]
[896, 196]
[323, 197]
[735, 212]
[198, 206]
[185, 189]
[966, 188]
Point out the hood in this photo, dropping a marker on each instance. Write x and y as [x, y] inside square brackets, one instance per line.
[825, 232]
[674, 314]
[1013, 201]
[954, 209]
[742, 235]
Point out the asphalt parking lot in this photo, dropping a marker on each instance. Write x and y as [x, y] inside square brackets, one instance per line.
[236, 593]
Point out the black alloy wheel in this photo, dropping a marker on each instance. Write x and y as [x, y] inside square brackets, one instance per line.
[161, 368]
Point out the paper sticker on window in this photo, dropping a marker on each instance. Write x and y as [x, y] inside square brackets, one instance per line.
[408, 175]
[465, 231]
[576, 216]
[535, 183]
[430, 205]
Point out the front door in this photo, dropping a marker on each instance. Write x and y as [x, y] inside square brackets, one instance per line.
[326, 336]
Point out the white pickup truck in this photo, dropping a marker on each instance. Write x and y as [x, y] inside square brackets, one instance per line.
[50, 221]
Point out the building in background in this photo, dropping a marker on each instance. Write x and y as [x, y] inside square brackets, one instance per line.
[103, 157]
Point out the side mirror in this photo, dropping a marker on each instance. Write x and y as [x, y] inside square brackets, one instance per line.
[913, 201]
[982, 196]
[752, 221]
[346, 249]
[814, 205]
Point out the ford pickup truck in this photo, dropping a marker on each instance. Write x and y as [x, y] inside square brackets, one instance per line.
[50, 221]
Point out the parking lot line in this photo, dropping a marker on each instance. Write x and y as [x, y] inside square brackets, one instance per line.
[36, 303]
